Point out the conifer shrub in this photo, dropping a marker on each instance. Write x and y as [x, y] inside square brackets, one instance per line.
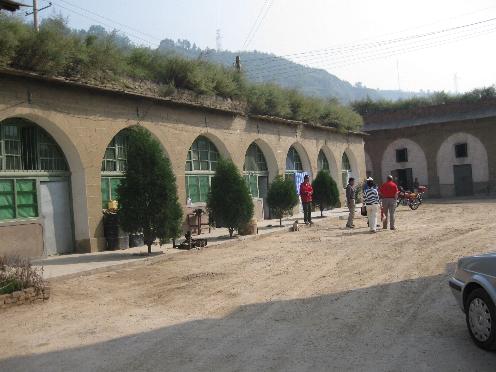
[147, 196]
[229, 201]
[325, 191]
[282, 197]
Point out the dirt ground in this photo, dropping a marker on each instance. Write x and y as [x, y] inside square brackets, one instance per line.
[324, 298]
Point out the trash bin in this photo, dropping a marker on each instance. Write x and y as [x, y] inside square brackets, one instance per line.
[136, 240]
[115, 236]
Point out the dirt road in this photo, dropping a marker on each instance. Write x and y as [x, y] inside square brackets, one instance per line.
[324, 298]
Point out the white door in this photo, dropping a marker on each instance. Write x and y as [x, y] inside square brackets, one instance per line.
[56, 214]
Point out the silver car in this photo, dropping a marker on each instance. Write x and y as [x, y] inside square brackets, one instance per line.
[474, 286]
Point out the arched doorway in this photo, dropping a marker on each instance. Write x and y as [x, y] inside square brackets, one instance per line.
[405, 160]
[256, 174]
[35, 184]
[200, 167]
[462, 166]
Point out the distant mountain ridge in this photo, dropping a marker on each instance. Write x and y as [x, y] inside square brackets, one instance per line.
[264, 68]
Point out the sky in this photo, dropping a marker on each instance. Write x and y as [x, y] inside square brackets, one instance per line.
[351, 39]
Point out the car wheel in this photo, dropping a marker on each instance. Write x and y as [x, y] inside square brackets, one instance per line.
[480, 315]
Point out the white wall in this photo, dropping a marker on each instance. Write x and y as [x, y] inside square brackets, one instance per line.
[477, 156]
[416, 160]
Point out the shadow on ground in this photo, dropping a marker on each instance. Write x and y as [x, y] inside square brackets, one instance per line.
[412, 325]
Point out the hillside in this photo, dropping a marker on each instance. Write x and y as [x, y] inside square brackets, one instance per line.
[99, 58]
[264, 67]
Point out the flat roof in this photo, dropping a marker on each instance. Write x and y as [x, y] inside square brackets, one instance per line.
[227, 106]
[437, 114]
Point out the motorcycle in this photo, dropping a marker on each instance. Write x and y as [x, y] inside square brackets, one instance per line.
[411, 199]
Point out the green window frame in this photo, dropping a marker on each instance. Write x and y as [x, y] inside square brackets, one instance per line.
[293, 161]
[26, 147]
[115, 157]
[18, 199]
[202, 156]
[322, 162]
[109, 187]
[201, 163]
[255, 159]
[251, 181]
[345, 169]
[198, 187]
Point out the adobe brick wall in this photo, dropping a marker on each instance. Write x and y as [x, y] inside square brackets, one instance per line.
[84, 120]
[430, 138]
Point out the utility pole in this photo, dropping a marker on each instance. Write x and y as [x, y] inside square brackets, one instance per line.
[455, 80]
[237, 64]
[35, 12]
[35, 16]
[398, 72]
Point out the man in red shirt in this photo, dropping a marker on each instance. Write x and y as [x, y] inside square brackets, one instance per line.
[389, 193]
[306, 192]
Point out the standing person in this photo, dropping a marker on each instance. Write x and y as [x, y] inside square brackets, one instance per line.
[389, 192]
[371, 200]
[306, 192]
[350, 202]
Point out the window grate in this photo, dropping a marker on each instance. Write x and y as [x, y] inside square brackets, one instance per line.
[26, 147]
[293, 160]
[255, 159]
[115, 157]
[201, 163]
[461, 150]
[402, 155]
[322, 162]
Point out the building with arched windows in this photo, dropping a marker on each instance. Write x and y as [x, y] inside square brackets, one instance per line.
[450, 148]
[63, 155]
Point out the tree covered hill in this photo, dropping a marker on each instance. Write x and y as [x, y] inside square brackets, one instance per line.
[267, 68]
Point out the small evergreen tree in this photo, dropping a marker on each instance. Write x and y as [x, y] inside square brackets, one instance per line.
[229, 201]
[147, 195]
[282, 197]
[325, 191]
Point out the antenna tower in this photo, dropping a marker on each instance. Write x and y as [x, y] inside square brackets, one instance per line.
[218, 40]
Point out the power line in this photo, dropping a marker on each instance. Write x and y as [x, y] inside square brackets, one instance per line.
[362, 45]
[371, 57]
[112, 26]
[255, 23]
[258, 22]
[288, 74]
[271, 2]
[357, 51]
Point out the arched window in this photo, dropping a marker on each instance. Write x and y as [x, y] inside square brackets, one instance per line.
[345, 169]
[293, 161]
[322, 163]
[114, 165]
[28, 156]
[201, 164]
[255, 170]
